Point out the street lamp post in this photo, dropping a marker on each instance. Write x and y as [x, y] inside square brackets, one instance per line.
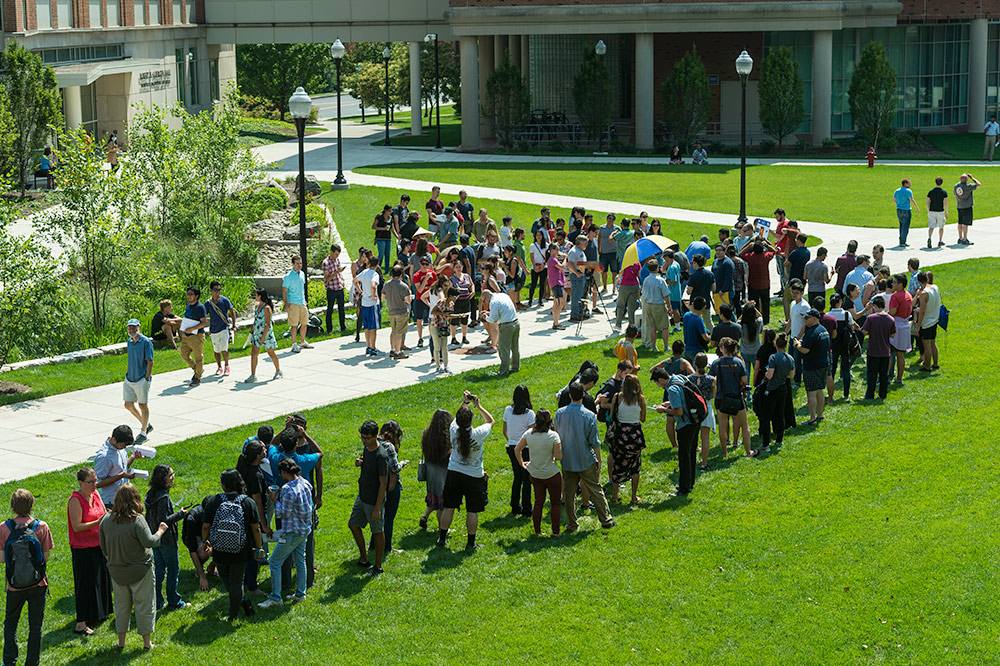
[339, 183]
[437, 84]
[385, 58]
[300, 104]
[744, 65]
[600, 49]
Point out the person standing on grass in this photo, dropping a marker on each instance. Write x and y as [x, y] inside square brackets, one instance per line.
[390, 436]
[608, 253]
[672, 275]
[435, 449]
[784, 232]
[112, 465]
[758, 256]
[367, 282]
[293, 294]
[905, 205]
[937, 211]
[333, 280]
[769, 402]
[138, 375]
[544, 451]
[373, 483]
[655, 309]
[726, 328]
[706, 387]
[845, 264]
[434, 206]
[397, 300]
[701, 284]
[628, 409]
[466, 478]
[91, 582]
[26, 580]
[817, 275]
[731, 381]
[623, 237]
[382, 224]
[498, 309]
[160, 509]
[448, 230]
[293, 504]
[929, 298]
[880, 328]
[963, 203]
[517, 418]
[556, 278]
[723, 270]
[795, 267]
[814, 348]
[841, 346]
[900, 308]
[581, 462]
[249, 467]
[795, 325]
[221, 325]
[686, 430]
[127, 543]
[696, 338]
[538, 252]
[991, 131]
[402, 230]
[193, 338]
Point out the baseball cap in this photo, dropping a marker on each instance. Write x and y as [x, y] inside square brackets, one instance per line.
[464, 238]
[132, 322]
[813, 312]
[448, 209]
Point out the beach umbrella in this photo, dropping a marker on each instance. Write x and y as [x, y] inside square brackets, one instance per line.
[644, 248]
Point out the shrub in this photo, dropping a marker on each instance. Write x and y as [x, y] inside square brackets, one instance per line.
[557, 146]
[889, 144]
[258, 107]
[767, 146]
[802, 146]
[524, 145]
[623, 147]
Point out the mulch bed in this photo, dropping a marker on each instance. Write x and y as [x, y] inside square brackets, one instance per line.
[13, 388]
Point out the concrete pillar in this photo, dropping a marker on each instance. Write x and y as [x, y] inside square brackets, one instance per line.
[499, 48]
[486, 64]
[470, 93]
[822, 84]
[72, 107]
[644, 90]
[525, 69]
[416, 114]
[514, 47]
[978, 54]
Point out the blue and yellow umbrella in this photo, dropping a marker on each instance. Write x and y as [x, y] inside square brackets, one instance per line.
[644, 248]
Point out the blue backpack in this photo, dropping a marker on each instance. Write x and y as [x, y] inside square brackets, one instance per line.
[24, 557]
[943, 317]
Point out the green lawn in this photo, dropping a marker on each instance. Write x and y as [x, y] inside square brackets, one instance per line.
[451, 129]
[261, 131]
[868, 540]
[851, 195]
[960, 146]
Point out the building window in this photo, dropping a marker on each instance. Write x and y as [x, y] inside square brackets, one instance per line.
[43, 14]
[179, 57]
[88, 108]
[95, 13]
[193, 77]
[140, 12]
[64, 13]
[992, 71]
[154, 12]
[75, 54]
[802, 51]
[191, 12]
[554, 60]
[178, 15]
[114, 14]
[213, 79]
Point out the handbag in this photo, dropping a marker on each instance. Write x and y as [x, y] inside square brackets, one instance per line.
[422, 471]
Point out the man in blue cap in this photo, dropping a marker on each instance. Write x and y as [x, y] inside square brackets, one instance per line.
[138, 376]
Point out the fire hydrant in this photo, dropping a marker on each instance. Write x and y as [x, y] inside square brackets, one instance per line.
[871, 157]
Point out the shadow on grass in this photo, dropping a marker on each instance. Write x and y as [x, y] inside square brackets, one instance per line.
[110, 655]
[210, 625]
[443, 558]
[351, 581]
[536, 544]
[672, 503]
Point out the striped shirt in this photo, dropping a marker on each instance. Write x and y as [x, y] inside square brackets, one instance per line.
[295, 507]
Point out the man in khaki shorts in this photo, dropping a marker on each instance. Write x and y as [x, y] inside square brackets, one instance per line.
[293, 293]
[221, 325]
[397, 298]
[138, 375]
[937, 211]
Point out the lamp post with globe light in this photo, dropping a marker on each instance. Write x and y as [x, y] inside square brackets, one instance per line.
[300, 105]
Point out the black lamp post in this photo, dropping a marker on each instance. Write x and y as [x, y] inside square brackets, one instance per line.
[437, 84]
[300, 104]
[600, 49]
[385, 58]
[744, 65]
[339, 183]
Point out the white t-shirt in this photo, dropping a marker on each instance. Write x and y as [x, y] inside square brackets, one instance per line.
[501, 309]
[505, 233]
[369, 283]
[537, 254]
[516, 424]
[797, 316]
[473, 465]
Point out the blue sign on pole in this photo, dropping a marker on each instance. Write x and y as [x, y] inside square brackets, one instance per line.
[713, 79]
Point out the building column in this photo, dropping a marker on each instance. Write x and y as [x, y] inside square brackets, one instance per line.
[486, 64]
[978, 55]
[525, 70]
[822, 84]
[416, 91]
[514, 47]
[72, 107]
[644, 91]
[499, 48]
[468, 53]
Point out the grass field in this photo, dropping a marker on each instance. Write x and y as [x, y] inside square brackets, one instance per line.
[959, 146]
[869, 540]
[850, 195]
[451, 129]
[261, 131]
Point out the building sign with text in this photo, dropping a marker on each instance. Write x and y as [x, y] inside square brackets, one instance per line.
[157, 79]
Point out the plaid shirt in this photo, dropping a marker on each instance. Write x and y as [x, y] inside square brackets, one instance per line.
[390, 450]
[333, 278]
[295, 507]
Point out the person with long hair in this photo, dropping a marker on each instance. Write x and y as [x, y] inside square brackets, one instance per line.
[461, 281]
[538, 452]
[557, 282]
[358, 265]
[751, 325]
[230, 558]
[466, 478]
[706, 387]
[91, 581]
[263, 335]
[127, 543]
[160, 509]
[731, 377]
[628, 410]
[514, 272]
[539, 257]
[249, 467]
[654, 228]
[435, 448]
[517, 418]
[441, 302]
[446, 262]
[383, 234]
[390, 436]
[772, 394]
[767, 348]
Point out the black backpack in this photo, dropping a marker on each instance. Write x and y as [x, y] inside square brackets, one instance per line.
[24, 557]
[695, 406]
[228, 532]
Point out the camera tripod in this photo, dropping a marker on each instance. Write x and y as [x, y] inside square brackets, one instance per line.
[590, 286]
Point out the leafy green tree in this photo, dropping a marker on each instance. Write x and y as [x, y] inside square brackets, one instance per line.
[507, 103]
[780, 89]
[686, 98]
[592, 94]
[872, 93]
[34, 104]
[273, 71]
[367, 84]
[8, 136]
[450, 73]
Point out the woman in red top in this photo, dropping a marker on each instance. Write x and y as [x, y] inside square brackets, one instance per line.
[91, 581]
[900, 307]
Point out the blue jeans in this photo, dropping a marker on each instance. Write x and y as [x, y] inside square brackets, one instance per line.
[382, 246]
[294, 546]
[165, 561]
[579, 286]
[904, 224]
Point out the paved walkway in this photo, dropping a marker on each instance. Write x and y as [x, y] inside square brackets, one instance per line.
[59, 431]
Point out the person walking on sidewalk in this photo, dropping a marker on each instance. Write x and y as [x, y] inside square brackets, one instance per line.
[262, 336]
[937, 211]
[293, 293]
[333, 280]
[991, 131]
[138, 375]
[905, 205]
[367, 283]
[193, 337]
[397, 300]
[963, 203]
[221, 325]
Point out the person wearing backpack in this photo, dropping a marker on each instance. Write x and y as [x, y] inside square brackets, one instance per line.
[24, 549]
[682, 401]
[128, 546]
[772, 393]
[231, 534]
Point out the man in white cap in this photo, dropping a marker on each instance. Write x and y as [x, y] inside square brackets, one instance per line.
[138, 376]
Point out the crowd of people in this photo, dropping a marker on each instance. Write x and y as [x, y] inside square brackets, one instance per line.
[937, 207]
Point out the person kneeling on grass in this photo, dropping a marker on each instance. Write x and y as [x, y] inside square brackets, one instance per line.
[372, 487]
[294, 505]
[466, 478]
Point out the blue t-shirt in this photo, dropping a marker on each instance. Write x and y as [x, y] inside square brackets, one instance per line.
[903, 196]
[698, 247]
[216, 321]
[723, 269]
[306, 461]
[694, 328]
[798, 258]
[817, 341]
[448, 231]
[469, 253]
[782, 364]
[196, 312]
[139, 352]
[727, 372]
[674, 275]
[294, 282]
[701, 282]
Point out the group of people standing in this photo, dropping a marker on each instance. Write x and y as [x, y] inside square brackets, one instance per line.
[937, 208]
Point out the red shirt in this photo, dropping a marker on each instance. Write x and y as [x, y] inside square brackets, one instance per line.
[903, 303]
[435, 205]
[829, 323]
[758, 272]
[42, 533]
[782, 244]
[421, 275]
[95, 509]
[845, 264]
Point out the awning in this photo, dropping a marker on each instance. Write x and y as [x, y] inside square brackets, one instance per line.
[83, 74]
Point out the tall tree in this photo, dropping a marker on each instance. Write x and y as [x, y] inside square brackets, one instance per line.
[273, 71]
[592, 94]
[687, 98]
[507, 104]
[780, 89]
[34, 103]
[872, 93]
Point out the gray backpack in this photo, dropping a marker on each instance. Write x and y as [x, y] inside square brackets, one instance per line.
[23, 553]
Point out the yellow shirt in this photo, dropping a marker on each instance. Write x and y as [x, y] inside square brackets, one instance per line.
[622, 352]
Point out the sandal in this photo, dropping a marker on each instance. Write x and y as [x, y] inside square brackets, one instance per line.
[364, 564]
[86, 631]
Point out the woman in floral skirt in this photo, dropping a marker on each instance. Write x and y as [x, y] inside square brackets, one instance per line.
[627, 443]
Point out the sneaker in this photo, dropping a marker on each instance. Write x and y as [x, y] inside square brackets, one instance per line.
[446, 371]
[454, 342]
[149, 428]
[279, 374]
[226, 371]
[305, 345]
[420, 342]
[940, 243]
[400, 356]
[968, 242]
[491, 349]
[250, 380]
[596, 311]
[676, 329]
[295, 348]
[218, 370]
[195, 381]
[295, 598]
[268, 603]
[376, 352]
[465, 341]
[375, 571]
[558, 327]
[928, 243]
[140, 438]
[405, 348]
